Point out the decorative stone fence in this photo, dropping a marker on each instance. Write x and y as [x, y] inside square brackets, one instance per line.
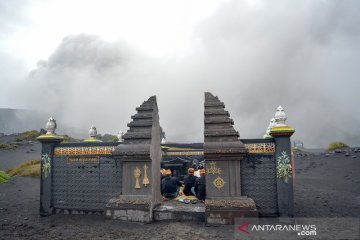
[244, 177]
[78, 177]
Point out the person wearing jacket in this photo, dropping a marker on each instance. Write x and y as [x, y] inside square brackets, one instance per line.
[199, 189]
[170, 186]
[189, 182]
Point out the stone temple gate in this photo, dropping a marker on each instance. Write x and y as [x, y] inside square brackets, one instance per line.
[244, 177]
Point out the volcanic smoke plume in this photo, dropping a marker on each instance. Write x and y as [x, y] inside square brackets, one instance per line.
[303, 55]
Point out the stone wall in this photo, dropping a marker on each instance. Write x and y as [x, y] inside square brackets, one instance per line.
[258, 175]
[86, 179]
[78, 177]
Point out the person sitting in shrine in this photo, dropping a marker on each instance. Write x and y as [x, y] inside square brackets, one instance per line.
[189, 182]
[199, 189]
[199, 167]
[170, 186]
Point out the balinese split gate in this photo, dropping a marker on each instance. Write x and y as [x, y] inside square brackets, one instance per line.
[244, 177]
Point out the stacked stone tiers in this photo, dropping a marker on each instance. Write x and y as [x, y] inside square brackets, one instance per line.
[142, 122]
[220, 137]
[137, 139]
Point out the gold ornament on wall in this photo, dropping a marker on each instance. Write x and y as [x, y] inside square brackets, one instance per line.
[137, 174]
[213, 169]
[145, 180]
[260, 147]
[219, 183]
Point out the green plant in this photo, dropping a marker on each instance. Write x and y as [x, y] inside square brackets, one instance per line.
[26, 169]
[7, 146]
[46, 163]
[284, 169]
[336, 145]
[295, 150]
[28, 136]
[68, 139]
[109, 138]
[4, 145]
[4, 177]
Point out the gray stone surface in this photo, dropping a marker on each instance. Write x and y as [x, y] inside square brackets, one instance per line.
[131, 215]
[176, 211]
[133, 208]
[223, 152]
[141, 150]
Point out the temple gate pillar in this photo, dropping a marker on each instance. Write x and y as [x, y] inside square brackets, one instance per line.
[140, 155]
[223, 152]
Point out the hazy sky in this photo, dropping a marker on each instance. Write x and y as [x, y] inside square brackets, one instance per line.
[93, 62]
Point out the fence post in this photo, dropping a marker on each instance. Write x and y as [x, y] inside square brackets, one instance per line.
[48, 141]
[285, 193]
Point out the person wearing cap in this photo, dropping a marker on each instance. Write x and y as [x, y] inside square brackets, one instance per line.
[170, 186]
[199, 167]
[189, 182]
[199, 189]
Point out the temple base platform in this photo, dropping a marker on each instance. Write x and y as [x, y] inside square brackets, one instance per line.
[129, 208]
[177, 211]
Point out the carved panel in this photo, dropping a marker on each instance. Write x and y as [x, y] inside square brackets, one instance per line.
[260, 147]
[103, 150]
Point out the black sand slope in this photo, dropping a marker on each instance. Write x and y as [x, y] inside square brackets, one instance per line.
[12, 158]
[327, 186]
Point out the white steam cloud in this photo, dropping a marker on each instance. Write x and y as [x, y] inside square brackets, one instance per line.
[303, 55]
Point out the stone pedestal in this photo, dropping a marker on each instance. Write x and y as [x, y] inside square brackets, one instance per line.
[130, 208]
[224, 211]
[223, 152]
[49, 142]
[140, 156]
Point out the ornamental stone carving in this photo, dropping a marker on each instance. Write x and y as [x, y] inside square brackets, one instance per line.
[280, 128]
[280, 117]
[120, 136]
[92, 132]
[271, 125]
[51, 126]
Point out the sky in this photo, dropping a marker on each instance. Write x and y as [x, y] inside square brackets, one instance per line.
[94, 62]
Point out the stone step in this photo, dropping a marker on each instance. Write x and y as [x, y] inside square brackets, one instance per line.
[146, 134]
[218, 132]
[219, 112]
[176, 211]
[143, 115]
[141, 123]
